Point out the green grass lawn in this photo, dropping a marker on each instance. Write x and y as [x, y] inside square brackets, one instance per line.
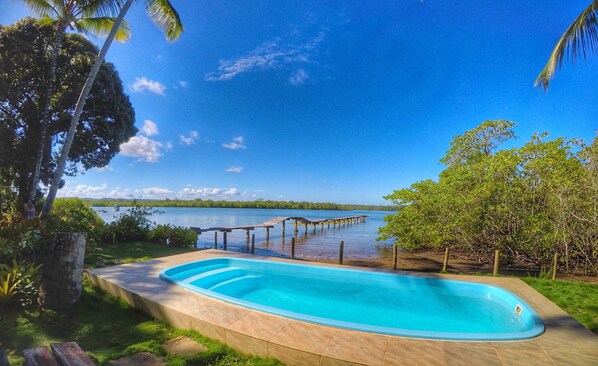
[578, 299]
[110, 255]
[108, 328]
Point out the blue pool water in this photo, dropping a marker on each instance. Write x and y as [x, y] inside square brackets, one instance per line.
[368, 301]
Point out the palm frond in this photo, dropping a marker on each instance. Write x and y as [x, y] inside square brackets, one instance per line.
[40, 8]
[101, 26]
[101, 8]
[581, 38]
[165, 17]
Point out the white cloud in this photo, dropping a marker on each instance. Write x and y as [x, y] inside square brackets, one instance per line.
[299, 77]
[212, 193]
[236, 144]
[234, 169]
[169, 146]
[277, 53]
[144, 84]
[104, 191]
[183, 84]
[231, 192]
[156, 192]
[150, 128]
[186, 140]
[82, 190]
[189, 140]
[106, 168]
[143, 148]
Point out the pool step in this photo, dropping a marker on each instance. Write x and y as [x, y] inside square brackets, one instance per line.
[195, 271]
[235, 280]
[216, 276]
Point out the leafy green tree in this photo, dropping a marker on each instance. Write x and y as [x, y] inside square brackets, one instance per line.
[580, 39]
[89, 17]
[529, 202]
[108, 119]
[166, 17]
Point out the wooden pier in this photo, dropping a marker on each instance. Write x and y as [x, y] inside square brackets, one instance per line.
[282, 219]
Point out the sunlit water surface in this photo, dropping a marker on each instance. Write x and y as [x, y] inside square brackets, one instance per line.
[359, 238]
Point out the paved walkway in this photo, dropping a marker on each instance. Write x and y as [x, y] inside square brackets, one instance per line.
[565, 342]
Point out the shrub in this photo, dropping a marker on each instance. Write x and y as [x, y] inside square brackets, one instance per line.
[73, 215]
[179, 236]
[20, 239]
[132, 225]
[19, 283]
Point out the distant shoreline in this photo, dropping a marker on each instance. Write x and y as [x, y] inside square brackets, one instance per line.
[260, 204]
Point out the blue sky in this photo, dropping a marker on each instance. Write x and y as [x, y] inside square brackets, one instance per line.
[337, 101]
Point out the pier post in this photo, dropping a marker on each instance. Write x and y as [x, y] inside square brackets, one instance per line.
[341, 250]
[252, 243]
[305, 228]
[554, 265]
[247, 237]
[215, 240]
[224, 241]
[314, 228]
[395, 256]
[496, 262]
[296, 230]
[446, 257]
[322, 227]
[293, 248]
[283, 229]
[329, 224]
[267, 234]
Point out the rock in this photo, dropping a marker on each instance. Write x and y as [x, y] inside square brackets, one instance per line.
[39, 356]
[138, 359]
[183, 346]
[70, 353]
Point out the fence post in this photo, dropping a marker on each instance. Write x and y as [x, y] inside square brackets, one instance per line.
[496, 262]
[224, 241]
[446, 257]
[293, 247]
[252, 243]
[395, 256]
[341, 250]
[556, 261]
[215, 240]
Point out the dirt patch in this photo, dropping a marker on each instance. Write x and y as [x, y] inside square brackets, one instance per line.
[460, 263]
[139, 359]
[183, 346]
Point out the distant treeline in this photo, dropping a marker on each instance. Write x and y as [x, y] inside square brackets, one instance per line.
[236, 204]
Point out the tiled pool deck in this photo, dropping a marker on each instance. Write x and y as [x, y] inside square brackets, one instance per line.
[565, 342]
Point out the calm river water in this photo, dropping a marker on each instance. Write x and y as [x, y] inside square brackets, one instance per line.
[360, 238]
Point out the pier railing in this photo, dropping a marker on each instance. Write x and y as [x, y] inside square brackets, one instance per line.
[298, 221]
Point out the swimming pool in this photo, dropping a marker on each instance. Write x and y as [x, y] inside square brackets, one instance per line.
[386, 303]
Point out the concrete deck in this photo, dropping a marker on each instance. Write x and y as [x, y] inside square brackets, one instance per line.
[565, 342]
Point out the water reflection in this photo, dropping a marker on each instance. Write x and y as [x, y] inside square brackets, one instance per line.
[316, 242]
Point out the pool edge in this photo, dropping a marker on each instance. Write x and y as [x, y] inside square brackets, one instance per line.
[228, 323]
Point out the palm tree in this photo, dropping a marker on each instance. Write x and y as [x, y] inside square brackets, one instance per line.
[581, 38]
[166, 18]
[89, 17]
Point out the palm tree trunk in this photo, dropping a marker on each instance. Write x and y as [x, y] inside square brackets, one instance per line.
[66, 148]
[46, 114]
